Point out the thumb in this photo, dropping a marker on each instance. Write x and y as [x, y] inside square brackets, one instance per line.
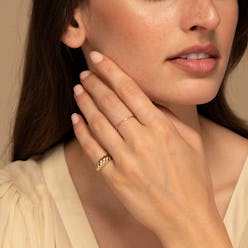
[190, 135]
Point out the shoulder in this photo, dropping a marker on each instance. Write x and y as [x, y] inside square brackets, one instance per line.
[229, 149]
[24, 177]
[27, 177]
[27, 209]
[223, 137]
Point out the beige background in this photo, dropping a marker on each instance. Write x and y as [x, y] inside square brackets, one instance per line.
[13, 21]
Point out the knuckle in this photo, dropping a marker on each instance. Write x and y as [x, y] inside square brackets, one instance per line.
[108, 68]
[96, 123]
[160, 128]
[87, 147]
[165, 135]
[117, 181]
[108, 101]
[141, 145]
[133, 173]
[127, 89]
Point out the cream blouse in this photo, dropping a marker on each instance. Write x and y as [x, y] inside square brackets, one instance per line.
[40, 208]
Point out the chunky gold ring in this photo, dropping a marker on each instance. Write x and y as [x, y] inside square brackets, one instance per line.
[102, 162]
[122, 121]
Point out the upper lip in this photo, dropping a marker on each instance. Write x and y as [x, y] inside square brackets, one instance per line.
[209, 49]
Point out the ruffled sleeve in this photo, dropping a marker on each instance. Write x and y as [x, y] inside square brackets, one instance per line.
[26, 208]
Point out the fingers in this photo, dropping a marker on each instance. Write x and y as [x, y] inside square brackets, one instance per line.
[127, 90]
[110, 105]
[191, 136]
[118, 97]
[100, 127]
[91, 147]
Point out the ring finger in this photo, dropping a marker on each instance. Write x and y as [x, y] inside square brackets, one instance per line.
[91, 147]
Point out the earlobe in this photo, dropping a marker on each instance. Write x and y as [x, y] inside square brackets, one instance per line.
[74, 34]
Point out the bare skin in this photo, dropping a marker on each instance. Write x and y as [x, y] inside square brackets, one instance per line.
[171, 180]
[113, 226]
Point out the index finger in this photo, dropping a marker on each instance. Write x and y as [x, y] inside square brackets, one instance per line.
[125, 87]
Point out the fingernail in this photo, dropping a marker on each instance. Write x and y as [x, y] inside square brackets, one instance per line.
[96, 57]
[74, 119]
[84, 74]
[78, 90]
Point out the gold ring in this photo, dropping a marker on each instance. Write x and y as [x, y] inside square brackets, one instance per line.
[102, 162]
[122, 121]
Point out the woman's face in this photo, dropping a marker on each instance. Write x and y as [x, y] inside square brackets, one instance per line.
[151, 40]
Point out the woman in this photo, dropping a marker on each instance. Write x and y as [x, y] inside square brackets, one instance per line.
[159, 131]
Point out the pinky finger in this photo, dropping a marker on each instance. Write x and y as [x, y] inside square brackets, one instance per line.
[90, 146]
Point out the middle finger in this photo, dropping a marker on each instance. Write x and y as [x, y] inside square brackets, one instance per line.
[111, 105]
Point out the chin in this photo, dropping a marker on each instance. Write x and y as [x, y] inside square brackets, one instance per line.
[204, 94]
[200, 100]
[185, 97]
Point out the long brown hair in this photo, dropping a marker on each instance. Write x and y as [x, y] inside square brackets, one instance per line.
[51, 69]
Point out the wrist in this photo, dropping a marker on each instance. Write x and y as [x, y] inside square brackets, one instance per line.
[199, 232]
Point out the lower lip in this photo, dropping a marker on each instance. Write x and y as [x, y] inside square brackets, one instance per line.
[196, 66]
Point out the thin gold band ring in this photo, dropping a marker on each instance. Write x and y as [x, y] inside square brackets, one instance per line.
[122, 121]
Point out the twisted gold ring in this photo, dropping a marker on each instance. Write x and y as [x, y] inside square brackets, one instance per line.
[102, 162]
[122, 121]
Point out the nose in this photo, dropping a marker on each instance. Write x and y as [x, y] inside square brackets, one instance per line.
[200, 15]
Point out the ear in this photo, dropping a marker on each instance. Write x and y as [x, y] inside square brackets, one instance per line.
[74, 34]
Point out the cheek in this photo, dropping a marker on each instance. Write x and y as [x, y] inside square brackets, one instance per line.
[229, 19]
[133, 40]
[139, 42]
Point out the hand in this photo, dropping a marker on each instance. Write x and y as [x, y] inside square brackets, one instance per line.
[158, 169]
